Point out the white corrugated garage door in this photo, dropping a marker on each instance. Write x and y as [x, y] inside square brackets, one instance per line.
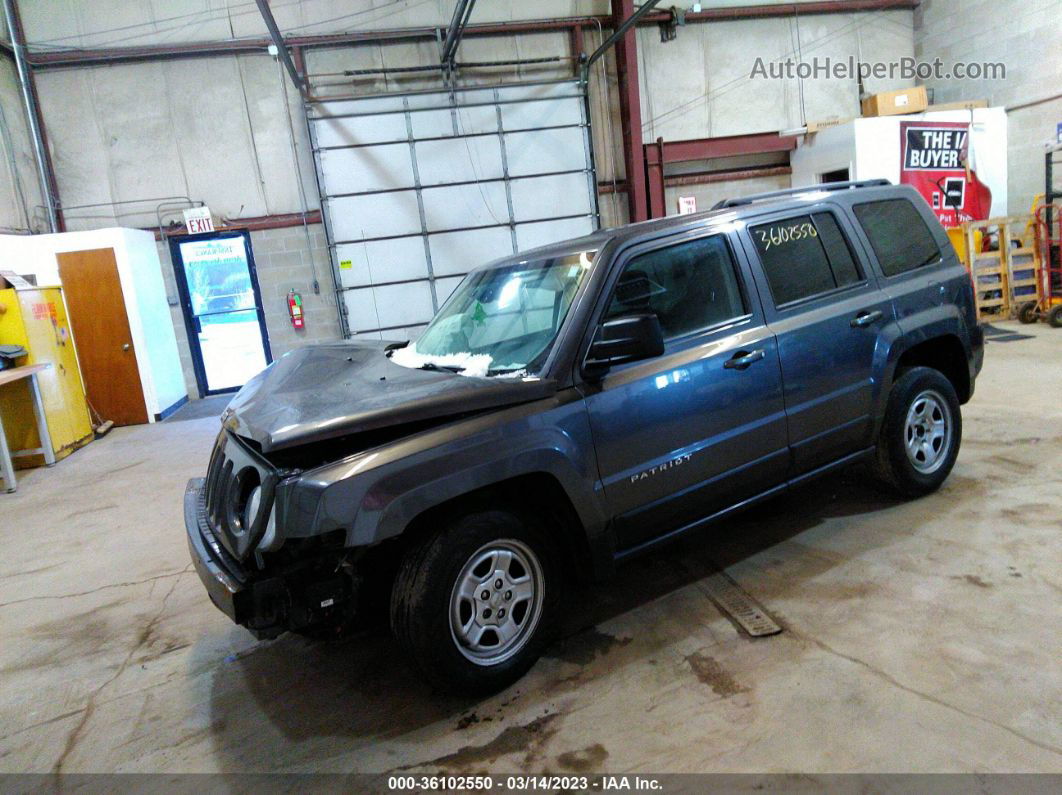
[418, 189]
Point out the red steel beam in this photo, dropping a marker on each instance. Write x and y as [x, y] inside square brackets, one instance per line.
[630, 113]
[213, 48]
[660, 153]
[707, 148]
[710, 177]
[704, 178]
[654, 171]
[575, 35]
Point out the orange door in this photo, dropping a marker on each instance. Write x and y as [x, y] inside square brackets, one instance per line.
[101, 335]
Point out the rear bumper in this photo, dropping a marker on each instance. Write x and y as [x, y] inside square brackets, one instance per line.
[977, 347]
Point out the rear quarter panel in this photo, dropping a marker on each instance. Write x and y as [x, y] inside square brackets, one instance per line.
[931, 301]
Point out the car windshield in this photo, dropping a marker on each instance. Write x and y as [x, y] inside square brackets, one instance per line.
[500, 321]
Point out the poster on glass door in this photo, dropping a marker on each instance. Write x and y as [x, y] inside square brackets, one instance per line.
[225, 311]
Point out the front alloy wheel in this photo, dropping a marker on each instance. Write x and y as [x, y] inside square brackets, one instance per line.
[474, 603]
[497, 601]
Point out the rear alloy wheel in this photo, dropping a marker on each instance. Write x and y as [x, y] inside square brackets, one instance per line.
[927, 431]
[919, 439]
[474, 604]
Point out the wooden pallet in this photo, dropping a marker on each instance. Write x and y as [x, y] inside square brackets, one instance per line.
[1004, 279]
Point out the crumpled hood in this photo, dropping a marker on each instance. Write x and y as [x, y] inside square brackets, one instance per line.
[325, 391]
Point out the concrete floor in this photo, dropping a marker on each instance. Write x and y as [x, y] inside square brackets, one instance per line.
[921, 636]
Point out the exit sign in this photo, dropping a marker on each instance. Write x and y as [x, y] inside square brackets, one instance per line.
[197, 220]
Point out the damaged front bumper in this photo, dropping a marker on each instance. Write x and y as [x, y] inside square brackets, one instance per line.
[314, 592]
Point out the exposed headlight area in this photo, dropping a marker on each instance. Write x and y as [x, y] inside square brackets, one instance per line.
[254, 504]
[238, 497]
[269, 537]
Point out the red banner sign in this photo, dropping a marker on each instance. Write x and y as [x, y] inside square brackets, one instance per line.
[936, 161]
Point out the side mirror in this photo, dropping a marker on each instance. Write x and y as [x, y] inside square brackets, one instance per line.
[623, 339]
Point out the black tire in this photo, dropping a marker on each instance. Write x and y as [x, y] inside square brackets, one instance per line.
[424, 593]
[1054, 317]
[1027, 313]
[892, 464]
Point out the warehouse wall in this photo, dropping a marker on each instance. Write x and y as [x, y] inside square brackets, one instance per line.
[139, 141]
[215, 129]
[20, 192]
[1023, 34]
[154, 135]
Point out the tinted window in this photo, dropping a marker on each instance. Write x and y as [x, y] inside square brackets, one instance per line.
[689, 287]
[898, 234]
[842, 263]
[803, 256]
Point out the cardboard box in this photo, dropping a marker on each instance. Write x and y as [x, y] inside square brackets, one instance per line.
[970, 104]
[895, 103]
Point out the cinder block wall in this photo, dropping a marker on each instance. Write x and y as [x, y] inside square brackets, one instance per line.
[283, 262]
[1024, 35]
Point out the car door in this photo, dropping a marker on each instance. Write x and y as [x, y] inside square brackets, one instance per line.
[827, 312]
[920, 268]
[702, 426]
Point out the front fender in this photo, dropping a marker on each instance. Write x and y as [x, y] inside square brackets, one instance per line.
[374, 495]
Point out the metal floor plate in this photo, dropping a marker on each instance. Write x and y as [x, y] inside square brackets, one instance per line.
[737, 604]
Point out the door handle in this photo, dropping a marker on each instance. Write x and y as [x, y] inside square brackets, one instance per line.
[126, 347]
[743, 359]
[864, 319]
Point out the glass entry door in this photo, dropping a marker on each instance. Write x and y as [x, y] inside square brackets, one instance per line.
[222, 309]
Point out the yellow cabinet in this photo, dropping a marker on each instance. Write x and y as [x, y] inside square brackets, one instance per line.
[35, 318]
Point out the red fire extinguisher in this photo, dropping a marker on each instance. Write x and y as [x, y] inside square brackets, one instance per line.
[295, 309]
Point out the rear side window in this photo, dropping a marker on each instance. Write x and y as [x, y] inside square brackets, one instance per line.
[689, 286]
[898, 234]
[803, 256]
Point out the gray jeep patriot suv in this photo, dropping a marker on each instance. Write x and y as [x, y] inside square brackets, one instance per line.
[574, 405]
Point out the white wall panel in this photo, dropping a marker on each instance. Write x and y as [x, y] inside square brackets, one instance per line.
[547, 197]
[390, 306]
[466, 183]
[543, 151]
[553, 113]
[465, 205]
[381, 261]
[543, 233]
[349, 130]
[361, 310]
[435, 123]
[376, 215]
[460, 252]
[444, 288]
[459, 159]
[367, 168]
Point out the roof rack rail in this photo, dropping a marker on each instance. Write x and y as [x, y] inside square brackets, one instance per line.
[777, 194]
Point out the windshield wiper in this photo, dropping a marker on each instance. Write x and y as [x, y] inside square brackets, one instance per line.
[448, 368]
